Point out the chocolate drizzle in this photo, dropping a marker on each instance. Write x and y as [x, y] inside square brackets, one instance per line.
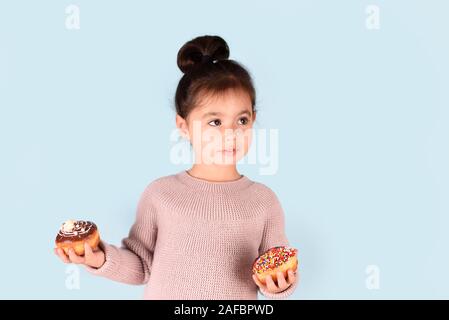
[78, 231]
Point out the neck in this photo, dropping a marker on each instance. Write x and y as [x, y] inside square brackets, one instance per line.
[214, 173]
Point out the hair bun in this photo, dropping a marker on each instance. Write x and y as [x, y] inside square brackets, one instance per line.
[201, 50]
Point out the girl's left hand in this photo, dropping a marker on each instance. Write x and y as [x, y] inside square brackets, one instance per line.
[282, 283]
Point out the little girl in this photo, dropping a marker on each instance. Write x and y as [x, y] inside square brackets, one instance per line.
[198, 232]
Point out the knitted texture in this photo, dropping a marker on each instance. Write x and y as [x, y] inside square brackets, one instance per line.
[197, 239]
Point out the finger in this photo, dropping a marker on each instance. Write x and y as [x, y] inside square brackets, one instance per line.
[74, 257]
[257, 281]
[291, 277]
[61, 254]
[88, 253]
[270, 283]
[282, 283]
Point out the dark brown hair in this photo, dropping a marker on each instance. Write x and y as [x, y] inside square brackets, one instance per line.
[208, 71]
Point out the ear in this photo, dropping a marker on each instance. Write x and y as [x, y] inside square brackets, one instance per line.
[181, 124]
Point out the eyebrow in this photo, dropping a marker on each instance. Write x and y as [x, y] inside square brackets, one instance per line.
[212, 113]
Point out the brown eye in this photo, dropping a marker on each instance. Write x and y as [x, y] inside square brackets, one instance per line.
[215, 123]
[244, 119]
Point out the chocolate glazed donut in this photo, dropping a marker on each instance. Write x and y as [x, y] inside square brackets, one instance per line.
[74, 233]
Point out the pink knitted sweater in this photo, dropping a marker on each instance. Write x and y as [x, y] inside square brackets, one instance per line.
[197, 239]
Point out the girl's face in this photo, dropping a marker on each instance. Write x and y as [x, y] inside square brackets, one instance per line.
[220, 128]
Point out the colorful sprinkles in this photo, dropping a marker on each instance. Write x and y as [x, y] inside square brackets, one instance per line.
[273, 258]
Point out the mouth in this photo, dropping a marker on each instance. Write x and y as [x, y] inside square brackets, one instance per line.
[229, 151]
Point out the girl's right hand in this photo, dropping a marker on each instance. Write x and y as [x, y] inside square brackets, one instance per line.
[91, 258]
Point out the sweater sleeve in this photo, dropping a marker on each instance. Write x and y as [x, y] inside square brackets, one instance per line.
[274, 235]
[131, 263]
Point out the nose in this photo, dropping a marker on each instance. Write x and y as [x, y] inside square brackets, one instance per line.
[231, 137]
[232, 133]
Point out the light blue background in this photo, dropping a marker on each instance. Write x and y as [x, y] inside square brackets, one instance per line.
[85, 118]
